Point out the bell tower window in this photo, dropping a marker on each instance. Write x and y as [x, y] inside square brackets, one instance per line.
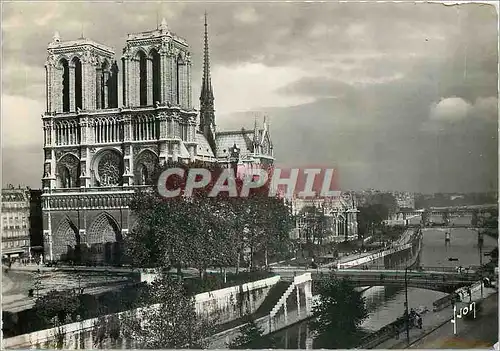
[65, 85]
[143, 79]
[156, 76]
[78, 83]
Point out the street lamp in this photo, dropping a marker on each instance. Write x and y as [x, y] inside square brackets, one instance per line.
[480, 247]
[407, 315]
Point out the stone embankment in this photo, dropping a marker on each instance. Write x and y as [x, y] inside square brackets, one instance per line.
[229, 303]
[399, 254]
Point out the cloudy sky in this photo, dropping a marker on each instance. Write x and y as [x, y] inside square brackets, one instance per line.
[396, 96]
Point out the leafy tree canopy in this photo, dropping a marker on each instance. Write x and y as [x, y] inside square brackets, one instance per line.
[371, 215]
[171, 323]
[202, 231]
[251, 337]
[339, 313]
[57, 307]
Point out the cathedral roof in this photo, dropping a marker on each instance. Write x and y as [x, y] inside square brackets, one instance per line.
[331, 204]
[243, 140]
[203, 148]
[183, 152]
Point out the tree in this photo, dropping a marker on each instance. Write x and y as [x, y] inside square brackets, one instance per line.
[494, 255]
[251, 336]
[370, 217]
[313, 219]
[169, 321]
[386, 199]
[340, 312]
[278, 224]
[57, 307]
[204, 231]
[271, 223]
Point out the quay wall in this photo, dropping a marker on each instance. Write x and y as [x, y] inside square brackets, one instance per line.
[402, 254]
[229, 303]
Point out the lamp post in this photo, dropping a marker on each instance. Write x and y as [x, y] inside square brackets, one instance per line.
[407, 315]
[480, 247]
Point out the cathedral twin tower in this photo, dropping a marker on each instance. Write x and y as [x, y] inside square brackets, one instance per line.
[83, 75]
[83, 107]
[96, 152]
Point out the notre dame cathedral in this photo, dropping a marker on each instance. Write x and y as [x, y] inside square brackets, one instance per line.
[98, 150]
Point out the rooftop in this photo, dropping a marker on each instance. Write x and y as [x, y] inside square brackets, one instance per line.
[57, 44]
[161, 31]
[14, 195]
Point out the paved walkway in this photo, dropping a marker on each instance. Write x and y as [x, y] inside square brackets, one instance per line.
[17, 282]
[480, 333]
[430, 322]
[34, 268]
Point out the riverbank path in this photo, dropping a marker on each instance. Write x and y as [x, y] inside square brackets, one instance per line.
[440, 320]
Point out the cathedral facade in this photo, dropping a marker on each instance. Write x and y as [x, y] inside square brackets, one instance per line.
[99, 150]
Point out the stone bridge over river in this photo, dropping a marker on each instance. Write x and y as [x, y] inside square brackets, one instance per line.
[432, 278]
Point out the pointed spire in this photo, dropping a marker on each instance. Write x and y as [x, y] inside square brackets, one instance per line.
[255, 130]
[163, 26]
[207, 115]
[207, 80]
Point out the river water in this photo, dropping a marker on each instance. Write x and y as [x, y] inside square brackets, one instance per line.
[386, 304]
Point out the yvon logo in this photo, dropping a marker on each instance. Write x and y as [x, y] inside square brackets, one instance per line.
[291, 182]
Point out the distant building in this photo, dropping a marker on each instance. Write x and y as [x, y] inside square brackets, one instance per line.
[15, 222]
[340, 218]
[405, 199]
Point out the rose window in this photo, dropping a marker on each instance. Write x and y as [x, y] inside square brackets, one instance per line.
[109, 170]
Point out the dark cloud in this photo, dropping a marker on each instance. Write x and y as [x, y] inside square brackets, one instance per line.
[317, 87]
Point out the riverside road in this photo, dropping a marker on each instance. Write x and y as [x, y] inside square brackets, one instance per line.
[479, 333]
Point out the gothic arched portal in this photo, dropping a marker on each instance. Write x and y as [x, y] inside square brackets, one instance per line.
[64, 240]
[105, 240]
[103, 229]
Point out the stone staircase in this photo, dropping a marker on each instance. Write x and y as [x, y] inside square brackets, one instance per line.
[304, 281]
[282, 300]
